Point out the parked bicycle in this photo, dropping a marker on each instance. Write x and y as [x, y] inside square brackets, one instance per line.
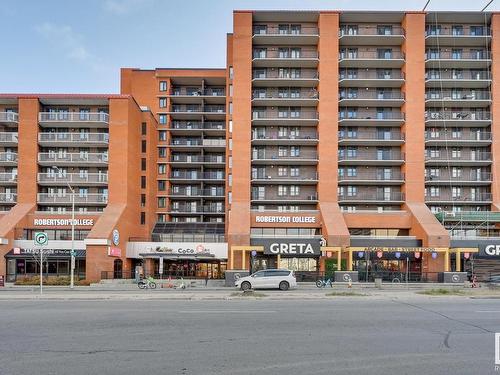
[147, 283]
[322, 283]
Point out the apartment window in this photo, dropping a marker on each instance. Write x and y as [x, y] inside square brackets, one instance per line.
[434, 172]
[143, 146]
[162, 119]
[294, 171]
[294, 190]
[230, 90]
[352, 191]
[456, 153]
[434, 153]
[282, 172]
[384, 30]
[434, 191]
[143, 182]
[162, 135]
[162, 202]
[144, 128]
[456, 53]
[163, 102]
[433, 29]
[476, 30]
[456, 133]
[163, 85]
[282, 190]
[456, 192]
[143, 218]
[143, 164]
[162, 185]
[295, 151]
[162, 218]
[162, 168]
[162, 152]
[352, 172]
[282, 151]
[230, 126]
[143, 200]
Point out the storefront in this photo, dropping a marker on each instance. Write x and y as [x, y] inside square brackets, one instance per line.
[25, 263]
[188, 260]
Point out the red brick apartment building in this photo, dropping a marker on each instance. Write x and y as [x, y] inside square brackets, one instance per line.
[356, 142]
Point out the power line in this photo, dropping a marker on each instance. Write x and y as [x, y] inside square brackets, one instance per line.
[425, 6]
[486, 6]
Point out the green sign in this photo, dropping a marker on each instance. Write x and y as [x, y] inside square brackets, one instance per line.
[41, 238]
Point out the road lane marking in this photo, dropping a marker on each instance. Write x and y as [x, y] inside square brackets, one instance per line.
[226, 311]
[488, 311]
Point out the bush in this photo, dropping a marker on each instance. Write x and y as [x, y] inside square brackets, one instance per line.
[441, 292]
[49, 281]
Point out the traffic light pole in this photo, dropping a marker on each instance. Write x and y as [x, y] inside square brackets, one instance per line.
[72, 280]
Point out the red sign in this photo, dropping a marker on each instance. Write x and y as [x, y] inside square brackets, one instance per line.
[114, 252]
[17, 251]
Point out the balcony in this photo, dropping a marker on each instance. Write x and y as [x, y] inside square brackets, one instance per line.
[459, 158]
[479, 198]
[197, 193]
[197, 127]
[276, 35]
[271, 178]
[359, 35]
[8, 159]
[187, 112]
[197, 95]
[371, 98]
[56, 179]
[305, 139]
[304, 158]
[367, 138]
[64, 119]
[371, 157]
[73, 159]
[285, 117]
[449, 36]
[196, 209]
[371, 78]
[8, 139]
[73, 139]
[285, 97]
[349, 117]
[455, 138]
[189, 144]
[8, 178]
[372, 177]
[213, 177]
[9, 118]
[274, 197]
[285, 78]
[8, 198]
[462, 118]
[460, 60]
[88, 199]
[464, 99]
[374, 198]
[371, 59]
[277, 58]
[196, 159]
[471, 178]
[464, 79]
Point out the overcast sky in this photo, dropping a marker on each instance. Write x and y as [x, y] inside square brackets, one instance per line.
[57, 46]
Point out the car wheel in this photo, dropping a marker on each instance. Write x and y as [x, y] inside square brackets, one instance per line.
[284, 285]
[246, 286]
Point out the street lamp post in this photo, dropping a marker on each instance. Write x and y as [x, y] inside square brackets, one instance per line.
[72, 266]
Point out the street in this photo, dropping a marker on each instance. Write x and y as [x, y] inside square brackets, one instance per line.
[350, 335]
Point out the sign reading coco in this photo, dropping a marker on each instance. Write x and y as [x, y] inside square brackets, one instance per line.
[116, 237]
[285, 219]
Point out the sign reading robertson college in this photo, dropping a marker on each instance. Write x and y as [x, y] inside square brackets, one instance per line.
[285, 219]
[62, 222]
[295, 247]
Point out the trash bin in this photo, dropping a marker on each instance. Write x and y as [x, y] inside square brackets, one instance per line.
[378, 282]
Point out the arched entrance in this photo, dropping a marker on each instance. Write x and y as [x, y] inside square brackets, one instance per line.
[117, 269]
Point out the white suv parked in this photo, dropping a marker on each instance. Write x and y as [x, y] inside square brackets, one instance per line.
[270, 278]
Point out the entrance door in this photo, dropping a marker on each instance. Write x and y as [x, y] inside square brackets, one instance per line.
[117, 269]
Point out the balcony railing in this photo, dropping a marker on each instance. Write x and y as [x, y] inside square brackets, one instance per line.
[471, 176]
[371, 94]
[463, 75]
[372, 176]
[197, 159]
[464, 55]
[449, 95]
[375, 197]
[197, 176]
[275, 53]
[74, 137]
[286, 197]
[9, 117]
[274, 156]
[351, 115]
[370, 74]
[371, 30]
[371, 55]
[480, 197]
[450, 31]
[8, 198]
[94, 198]
[286, 74]
[194, 125]
[372, 156]
[276, 30]
[73, 157]
[197, 92]
[74, 117]
[276, 137]
[8, 157]
[196, 209]
[369, 136]
[457, 115]
[73, 178]
[284, 115]
[478, 156]
[10, 137]
[274, 176]
[457, 136]
[285, 94]
[8, 177]
[195, 192]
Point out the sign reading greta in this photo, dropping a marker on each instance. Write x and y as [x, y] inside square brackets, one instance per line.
[491, 250]
[297, 247]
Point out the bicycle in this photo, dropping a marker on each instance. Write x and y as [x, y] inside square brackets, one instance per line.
[147, 283]
[324, 283]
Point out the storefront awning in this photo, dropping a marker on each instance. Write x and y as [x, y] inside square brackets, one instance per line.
[51, 253]
[179, 256]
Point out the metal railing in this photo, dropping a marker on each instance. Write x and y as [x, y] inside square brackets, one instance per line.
[463, 75]
[9, 117]
[464, 55]
[457, 115]
[372, 176]
[398, 276]
[197, 176]
[371, 155]
[287, 54]
[74, 137]
[97, 158]
[92, 198]
[285, 197]
[370, 94]
[274, 176]
[183, 91]
[457, 136]
[276, 136]
[374, 197]
[449, 95]
[371, 55]
[285, 94]
[370, 74]
[188, 125]
[73, 117]
[457, 32]
[8, 198]
[472, 176]
[286, 114]
[8, 177]
[195, 192]
[286, 74]
[197, 209]
[8, 157]
[9, 137]
[274, 156]
[361, 136]
[197, 159]
[356, 115]
[360, 30]
[462, 156]
[276, 30]
[480, 197]
[75, 178]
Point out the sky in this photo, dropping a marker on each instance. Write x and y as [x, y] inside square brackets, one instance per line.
[79, 46]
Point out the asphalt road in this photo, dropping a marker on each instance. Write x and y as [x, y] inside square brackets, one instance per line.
[353, 335]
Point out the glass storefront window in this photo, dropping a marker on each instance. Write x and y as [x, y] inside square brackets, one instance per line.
[299, 264]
